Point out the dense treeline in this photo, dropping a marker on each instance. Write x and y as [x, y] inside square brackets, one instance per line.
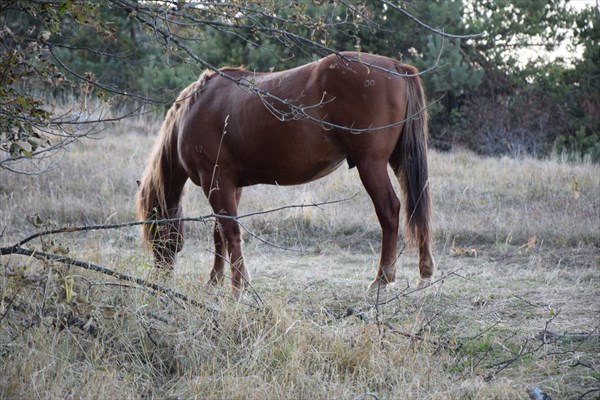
[518, 89]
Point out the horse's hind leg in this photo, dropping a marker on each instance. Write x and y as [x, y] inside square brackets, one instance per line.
[426, 263]
[376, 181]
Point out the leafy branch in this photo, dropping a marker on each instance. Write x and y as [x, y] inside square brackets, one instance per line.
[42, 54]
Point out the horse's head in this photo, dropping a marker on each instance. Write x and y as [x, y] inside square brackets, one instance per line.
[161, 188]
[165, 237]
[166, 240]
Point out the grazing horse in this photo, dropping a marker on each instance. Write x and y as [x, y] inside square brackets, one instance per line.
[236, 128]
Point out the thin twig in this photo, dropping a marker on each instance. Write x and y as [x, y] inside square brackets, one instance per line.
[430, 28]
[72, 229]
[584, 395]
[405, 292]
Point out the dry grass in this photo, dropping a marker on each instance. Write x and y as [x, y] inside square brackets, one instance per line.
[533, 226]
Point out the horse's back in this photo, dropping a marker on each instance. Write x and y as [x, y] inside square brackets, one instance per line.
[298, 126]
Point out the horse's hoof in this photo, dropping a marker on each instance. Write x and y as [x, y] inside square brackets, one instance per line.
[423, 283]
[378, 292]
[238, 293]
[215, 281]
[161, 275]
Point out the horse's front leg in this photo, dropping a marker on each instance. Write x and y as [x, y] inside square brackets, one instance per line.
[228, 240]
[216, 274]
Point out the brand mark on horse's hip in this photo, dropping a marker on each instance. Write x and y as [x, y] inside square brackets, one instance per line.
[369, 82]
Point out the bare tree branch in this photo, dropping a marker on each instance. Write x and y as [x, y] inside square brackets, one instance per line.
[71, 229]
[424, 25]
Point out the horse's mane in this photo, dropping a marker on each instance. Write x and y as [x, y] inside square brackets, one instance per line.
[151, 196]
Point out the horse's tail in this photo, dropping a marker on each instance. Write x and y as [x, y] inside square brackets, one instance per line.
[409, 160]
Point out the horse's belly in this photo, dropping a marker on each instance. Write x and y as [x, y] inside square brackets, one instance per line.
[278, 172]
[297, 160]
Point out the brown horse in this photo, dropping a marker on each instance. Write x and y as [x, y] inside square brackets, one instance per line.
[238, 128]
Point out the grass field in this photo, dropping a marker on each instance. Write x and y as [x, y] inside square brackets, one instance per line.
[514, 304]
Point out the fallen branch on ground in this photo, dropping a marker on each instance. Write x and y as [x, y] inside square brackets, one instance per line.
[546, 336]
[107, 271]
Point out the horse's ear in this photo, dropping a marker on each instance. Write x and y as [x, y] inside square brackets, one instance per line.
[138, 183]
